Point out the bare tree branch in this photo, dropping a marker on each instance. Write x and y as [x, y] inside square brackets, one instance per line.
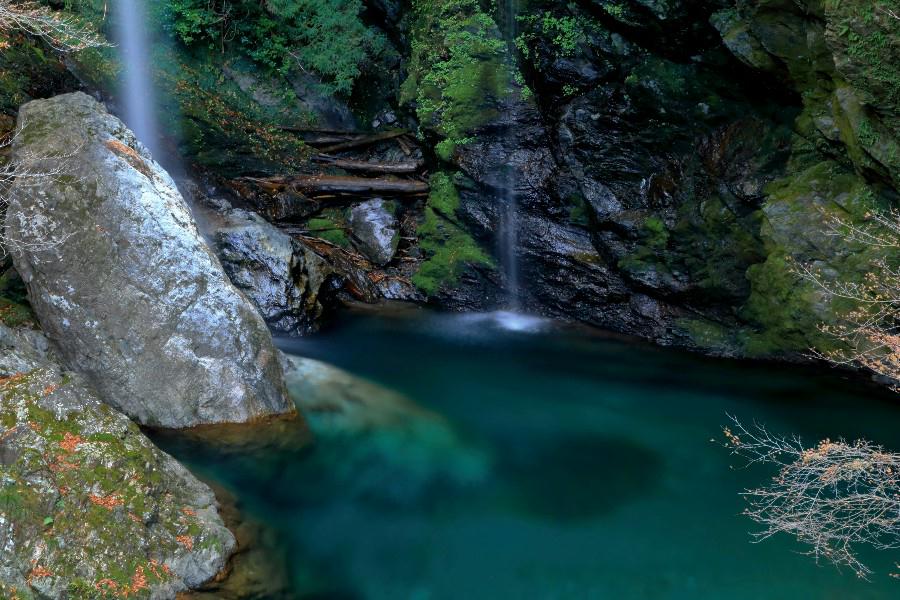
[869, 333]
[63, 33]
[835, 496]
[18, 172]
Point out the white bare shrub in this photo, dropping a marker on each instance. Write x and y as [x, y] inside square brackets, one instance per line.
[869, 334]
[62, 32]
[20, 173]
[834, 497]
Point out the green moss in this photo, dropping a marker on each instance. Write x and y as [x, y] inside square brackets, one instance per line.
[331, 228]
[565, 33]
[707, 334]
[459, 69]
[448, 247]
[870, 38]
[578, 211]
[785, 311]
[780, 308]
[649, 252]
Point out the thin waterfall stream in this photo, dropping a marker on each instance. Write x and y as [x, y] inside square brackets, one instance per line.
[509, 237]
[138, 94]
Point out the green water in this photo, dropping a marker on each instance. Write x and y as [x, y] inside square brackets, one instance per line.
[598, 477]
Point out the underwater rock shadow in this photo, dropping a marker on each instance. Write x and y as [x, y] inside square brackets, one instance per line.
[579, 477]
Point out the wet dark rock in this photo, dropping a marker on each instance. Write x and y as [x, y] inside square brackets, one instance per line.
[289, 284]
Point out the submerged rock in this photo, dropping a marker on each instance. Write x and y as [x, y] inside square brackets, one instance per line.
[88, 506]
[123, 283]
[369, 435]
[376, 230]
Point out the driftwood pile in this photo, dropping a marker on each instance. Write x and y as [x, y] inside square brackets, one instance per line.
[402, 179]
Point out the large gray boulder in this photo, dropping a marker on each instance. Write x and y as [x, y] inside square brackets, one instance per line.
[375, 230]
[123, 283]
[90, 507]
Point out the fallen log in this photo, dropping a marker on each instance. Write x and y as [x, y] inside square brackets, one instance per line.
[334, 185]
[399, 168]
[341, 132]
[364, 141]
[326, 139]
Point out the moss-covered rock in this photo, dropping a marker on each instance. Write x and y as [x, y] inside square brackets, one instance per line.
[842, 57]
[459, 70]
[448, 247]
[785, 311]
[89, 508]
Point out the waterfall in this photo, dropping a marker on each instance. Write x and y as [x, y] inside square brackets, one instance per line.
[137, 91]
[509, 237]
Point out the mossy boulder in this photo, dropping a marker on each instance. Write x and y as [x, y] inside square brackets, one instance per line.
[89, 508]
[785, 310]
[122, 281]
[841, 57]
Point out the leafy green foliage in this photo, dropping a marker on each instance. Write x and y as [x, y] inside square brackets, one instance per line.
[458, 69]
[324, 36]
[565, 32]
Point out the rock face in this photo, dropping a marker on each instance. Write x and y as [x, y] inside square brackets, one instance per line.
[669, 161]
[285, 281]
[88, 506]
[122, 281]
[376, 230]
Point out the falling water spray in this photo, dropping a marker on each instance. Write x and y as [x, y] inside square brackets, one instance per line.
[137, 92]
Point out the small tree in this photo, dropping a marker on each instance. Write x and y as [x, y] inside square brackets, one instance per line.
[869, 334]
[835, 496]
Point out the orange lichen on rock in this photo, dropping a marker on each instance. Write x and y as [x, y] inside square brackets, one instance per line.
[70, 442]
[38, 572]
[186, 541]
[5, 381]
[61, 464]
[139, 580]
[130, 155]
[106, 585]
[108, 502]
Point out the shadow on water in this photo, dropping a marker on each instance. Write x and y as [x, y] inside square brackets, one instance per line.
[580, 477]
